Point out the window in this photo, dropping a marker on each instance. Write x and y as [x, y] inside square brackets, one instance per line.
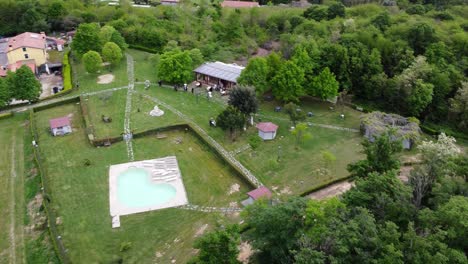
[24, 49]
[26, 56]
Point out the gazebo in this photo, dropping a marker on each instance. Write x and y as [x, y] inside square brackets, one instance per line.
[60, 126]
[260, 192]
[405, 129]
[267, 130]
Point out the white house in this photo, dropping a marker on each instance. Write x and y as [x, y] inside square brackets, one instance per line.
[60, 126]
[267, 130]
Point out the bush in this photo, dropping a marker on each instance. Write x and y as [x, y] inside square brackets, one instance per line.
[124, 246]
[255, 141]
[416, 10]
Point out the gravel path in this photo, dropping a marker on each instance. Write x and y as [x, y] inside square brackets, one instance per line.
[128, 108]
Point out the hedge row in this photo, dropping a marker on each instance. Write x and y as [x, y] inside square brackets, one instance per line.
[66, 72]
[142, 48]
[58, 103]
[434, 130]
[324, 185]
[6, 115]
[46, 203]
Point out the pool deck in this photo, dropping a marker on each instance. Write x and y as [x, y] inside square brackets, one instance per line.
[163, 170]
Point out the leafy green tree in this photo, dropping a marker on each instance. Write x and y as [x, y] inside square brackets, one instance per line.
[316, 13]
[301, 134]
[287, 84]
[86, 39]
[175, 66]
[380, 156]
[92, 61]
[197, 57]
[244, 99]
[25, 84]
[230, 120]
[105, 34]
[294, 112]
[5, 93]
[302, 59]
[32, 20]
[325, 85]
[112, 53]
[255, 74]
[335, 57]
[274, 62]
[420, 36]
[336, 10]
[219, 246]
[459, 106]
[384, 195]
[381, 21]
[275, 230]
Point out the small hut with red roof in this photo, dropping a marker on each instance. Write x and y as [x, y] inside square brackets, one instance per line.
[60, 126]
[267, 130]
[261, 192]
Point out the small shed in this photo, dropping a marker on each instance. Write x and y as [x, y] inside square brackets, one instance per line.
[260, 192]
[267, 130]
[60, 126]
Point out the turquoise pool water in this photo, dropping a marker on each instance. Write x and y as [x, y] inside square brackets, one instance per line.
[134, 189]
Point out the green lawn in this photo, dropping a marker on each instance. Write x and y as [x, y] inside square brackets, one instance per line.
[80, 194]
[144, 68]
[88, 81]
[12, 192]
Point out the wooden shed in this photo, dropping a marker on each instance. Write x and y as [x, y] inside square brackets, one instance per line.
[218, 73]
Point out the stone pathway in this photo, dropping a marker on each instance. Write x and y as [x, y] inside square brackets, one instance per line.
[128, 108]
[213, 142]
[315, 124]
[240, 149]
[210, 209]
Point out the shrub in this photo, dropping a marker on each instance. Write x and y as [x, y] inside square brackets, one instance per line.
[66, 72]
[255, 141]
[416, 10]
[124, 246]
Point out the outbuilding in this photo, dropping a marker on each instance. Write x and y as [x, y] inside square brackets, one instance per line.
[60, 126]
[267, 130]
[217, 73]
[260, 192]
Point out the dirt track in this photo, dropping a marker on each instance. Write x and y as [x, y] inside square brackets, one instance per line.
[333, 190]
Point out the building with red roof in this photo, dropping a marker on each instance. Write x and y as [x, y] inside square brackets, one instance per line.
[239, 4]
[261, 192]
[60, 126]
[267, 130]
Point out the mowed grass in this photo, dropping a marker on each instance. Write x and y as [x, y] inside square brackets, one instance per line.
[80, 195]
[88, 81]
[12, 204]
[144, 67]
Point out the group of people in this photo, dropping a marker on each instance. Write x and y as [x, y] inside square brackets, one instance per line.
[209, 89]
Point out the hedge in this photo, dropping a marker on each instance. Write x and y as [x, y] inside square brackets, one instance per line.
[6, 115]
[66, 72]
[142, 48]
[58, 103]
[324, 185]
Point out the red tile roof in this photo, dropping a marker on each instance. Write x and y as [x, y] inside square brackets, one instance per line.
[13, 67]
[267, 127]
[59, 122]
[260, 192]
[239, 4]
[27, 39]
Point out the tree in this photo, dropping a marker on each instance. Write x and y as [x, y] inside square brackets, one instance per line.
[275, 230]
[197, 57]
[384, 195]
[274, 62]
[112, 53]
[287, 84]
[325, 85]
[244, 99]
[381, 21]
[301, 134]
[459, 106]
[294, 112]
[420, 36]
[336, 10]
[380, 156]
[316, 12]
[86, 39]
[230, 119]
[308, 65]
[255, 74]
[105, 34]
[220, 246]
[25, 84]
[92, 61]
[175, 66]
[5, 93]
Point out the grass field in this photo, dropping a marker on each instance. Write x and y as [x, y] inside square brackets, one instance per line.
[80, 194]
[144, 68]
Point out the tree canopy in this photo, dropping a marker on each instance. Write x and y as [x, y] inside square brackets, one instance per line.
[24, 85]
[92, 61]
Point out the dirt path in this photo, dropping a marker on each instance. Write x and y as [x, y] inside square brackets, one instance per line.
[332, 190]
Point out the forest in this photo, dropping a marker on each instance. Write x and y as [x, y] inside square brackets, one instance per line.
[406, 57]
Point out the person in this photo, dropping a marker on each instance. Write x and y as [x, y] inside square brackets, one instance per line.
[212, 122]
[185, 87]
[192, 89]
[175, 87]
[160, 83]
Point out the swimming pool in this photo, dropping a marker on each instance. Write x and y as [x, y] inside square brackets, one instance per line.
[135, 189]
